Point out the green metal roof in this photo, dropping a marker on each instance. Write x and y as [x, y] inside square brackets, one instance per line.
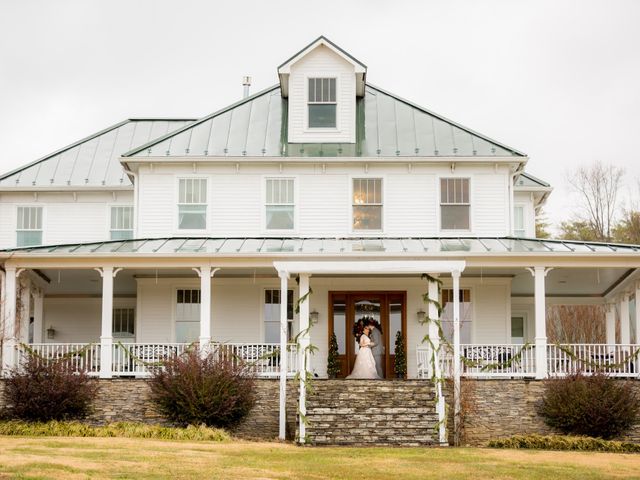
[387, 126]
[527, 180]
[92, 161]
[327, 246]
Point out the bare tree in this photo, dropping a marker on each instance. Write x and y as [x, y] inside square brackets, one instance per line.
[576, 324]
[597, 186]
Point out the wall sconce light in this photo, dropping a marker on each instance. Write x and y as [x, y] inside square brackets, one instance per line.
[51, 333]
[313, 316]
[421, 315]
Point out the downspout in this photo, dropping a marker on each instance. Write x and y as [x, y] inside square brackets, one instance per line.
[135, 200]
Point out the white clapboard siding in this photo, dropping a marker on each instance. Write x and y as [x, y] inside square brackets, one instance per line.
[490, 204]
[322, 62]
[155, 314]
[236, 205]
[157, 211]
[410, 205]
[491, 306]
[324, 205]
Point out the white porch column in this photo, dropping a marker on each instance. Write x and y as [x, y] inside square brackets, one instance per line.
[9, 331]
[610, 325]
[25, 308]
[303, 354]
[284, 334]
[106, 331]
[625, 327]
[38, 316]
[539, 274]
[205, 272]
[456, 356]
[434, 336]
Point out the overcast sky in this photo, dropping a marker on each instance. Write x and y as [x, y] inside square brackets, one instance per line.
[559, 80]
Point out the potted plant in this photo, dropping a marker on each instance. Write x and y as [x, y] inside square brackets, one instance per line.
[333, 364]
[400, 361]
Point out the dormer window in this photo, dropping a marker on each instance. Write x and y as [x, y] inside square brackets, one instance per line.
[322, 103]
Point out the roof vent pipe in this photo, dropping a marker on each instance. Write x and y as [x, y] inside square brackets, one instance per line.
[246, 83]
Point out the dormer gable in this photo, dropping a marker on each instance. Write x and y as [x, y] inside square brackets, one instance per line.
[321, 83]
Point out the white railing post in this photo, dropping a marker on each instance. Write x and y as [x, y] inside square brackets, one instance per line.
[625, 327]
[107, 273]
[539, 274]
[284, 340]
[9, 341]
[304, 356]
[456, 356]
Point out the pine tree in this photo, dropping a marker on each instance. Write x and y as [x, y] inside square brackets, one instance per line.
[333, 364]
[400, 364]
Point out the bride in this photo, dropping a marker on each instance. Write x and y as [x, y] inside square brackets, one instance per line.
[365, 366]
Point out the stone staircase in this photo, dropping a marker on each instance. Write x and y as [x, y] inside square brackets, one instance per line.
[372, 412]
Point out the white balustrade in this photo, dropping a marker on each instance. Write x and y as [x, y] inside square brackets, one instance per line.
[139, 359]
[614, 360]
[79, 356]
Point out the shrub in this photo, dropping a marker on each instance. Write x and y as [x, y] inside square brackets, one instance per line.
[594, 405]
[120, 429]
[560, 442]
[214, 390]
[41, 389]
[333, 363]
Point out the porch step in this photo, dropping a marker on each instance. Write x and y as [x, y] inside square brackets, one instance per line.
[364, 412]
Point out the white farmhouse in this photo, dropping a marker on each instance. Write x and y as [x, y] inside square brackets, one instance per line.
[155, 234]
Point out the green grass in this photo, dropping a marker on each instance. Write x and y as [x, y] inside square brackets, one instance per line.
[120, 429]
[142, 458]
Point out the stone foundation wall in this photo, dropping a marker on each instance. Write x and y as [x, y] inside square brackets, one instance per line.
[502, 408]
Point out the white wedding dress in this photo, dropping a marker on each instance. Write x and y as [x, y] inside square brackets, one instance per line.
[365, 366]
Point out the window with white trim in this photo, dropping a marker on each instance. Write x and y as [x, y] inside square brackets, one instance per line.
[192, 204]
[446, 317]
[123, 323]
[518, 221]
[455, 204]
[367, 204]
[121, 222]
[29, 226]
[187, 315]
[279, 204]
[272, 315]
[322, 103]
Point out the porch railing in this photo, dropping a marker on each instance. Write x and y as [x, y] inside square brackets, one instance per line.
[615, 360]
[482, 360]
[138, 359]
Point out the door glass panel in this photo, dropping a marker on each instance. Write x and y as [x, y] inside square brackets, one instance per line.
[395, 324]
[517, 330]
[369, 309]
[187, 315]
[339, 325]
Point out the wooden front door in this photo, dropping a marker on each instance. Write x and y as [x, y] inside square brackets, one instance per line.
[346, 308]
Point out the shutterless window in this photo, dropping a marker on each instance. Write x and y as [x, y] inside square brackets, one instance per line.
[279, 204]
[121, 223]
[455, 206]
[322, 103]
[123, 322]
[192, 204]
[518, 221]
[465, 314]
[29, 226]
[367, 204]
[272, 315]
[187, 315]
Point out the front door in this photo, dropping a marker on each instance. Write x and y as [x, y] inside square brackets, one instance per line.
[347, 308]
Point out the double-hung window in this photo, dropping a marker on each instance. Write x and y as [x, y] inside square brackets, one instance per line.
[279, 204]
[455, 204]
[518, 221]
[123, 323]
[272, 315]
[322, 103]
[29, 226]
[121, 222]
[367, 204]
[192, 204]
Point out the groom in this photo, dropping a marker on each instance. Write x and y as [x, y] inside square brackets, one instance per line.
[378, 349]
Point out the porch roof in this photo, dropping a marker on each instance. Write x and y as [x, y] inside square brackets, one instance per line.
[347, 246]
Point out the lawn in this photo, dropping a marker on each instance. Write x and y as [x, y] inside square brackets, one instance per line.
[70, 458]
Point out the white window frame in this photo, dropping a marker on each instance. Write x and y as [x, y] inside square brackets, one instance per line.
[525, 325]
[110, 208]
[524, 219]
[197, 231]
[458, 232]
[42, 220]
[293, 321]
[365, 233]
[307, 128]
[265, 180]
